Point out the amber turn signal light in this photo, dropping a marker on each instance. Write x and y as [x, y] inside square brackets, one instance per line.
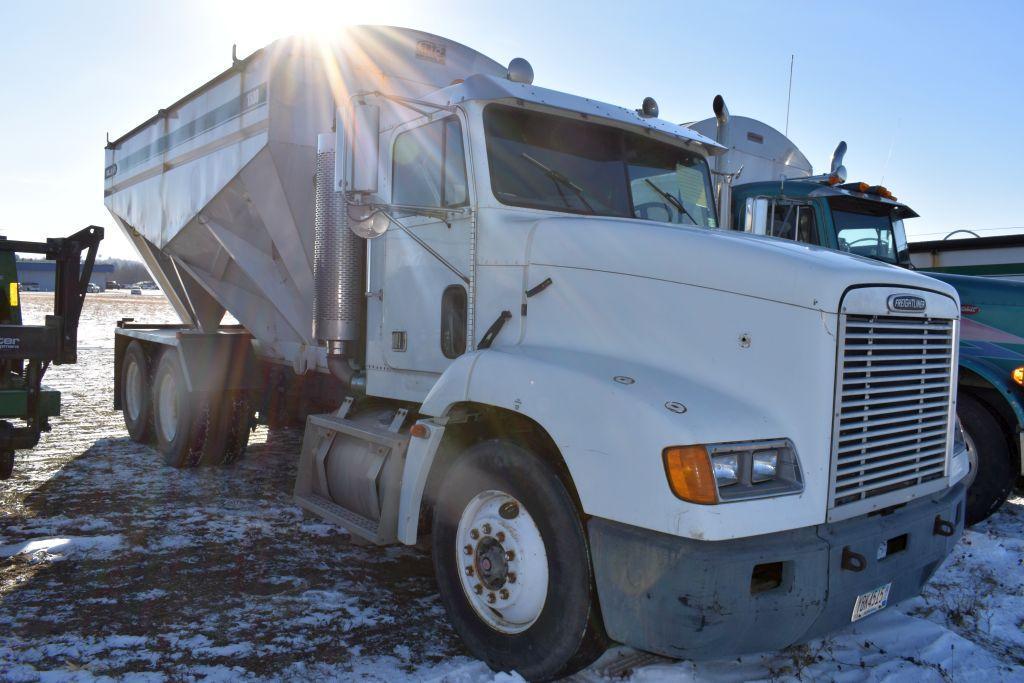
[689, 473]
[1018, 375]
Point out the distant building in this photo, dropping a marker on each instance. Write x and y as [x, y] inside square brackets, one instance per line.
[41, 275]
[996, 256]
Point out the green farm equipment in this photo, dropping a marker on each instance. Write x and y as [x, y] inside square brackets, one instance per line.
[26, 351]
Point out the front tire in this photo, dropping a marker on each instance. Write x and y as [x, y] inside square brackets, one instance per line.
[993, 476]
[513, 564]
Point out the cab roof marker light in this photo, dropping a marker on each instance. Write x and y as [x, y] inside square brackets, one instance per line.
[855, 187]
[881, 191]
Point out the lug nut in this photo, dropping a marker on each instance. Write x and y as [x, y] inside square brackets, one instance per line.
[500, 536]
[486, 529]
[478, 589]
[469, 571]
[503, 593]
[468, 550]
[491, 598]
[510, 555]
[511, 577]
[474, 534]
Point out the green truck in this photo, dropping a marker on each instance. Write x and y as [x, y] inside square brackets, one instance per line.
[766, 186]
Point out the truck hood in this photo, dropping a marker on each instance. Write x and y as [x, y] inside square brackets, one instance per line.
[980, 291]
[750, 265]
[993, 312]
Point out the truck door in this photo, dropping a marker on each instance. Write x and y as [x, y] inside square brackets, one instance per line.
[424, 301]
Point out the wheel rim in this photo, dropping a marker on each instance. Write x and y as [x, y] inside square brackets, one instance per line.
[133, 390]
[972, 459]
[503, 565]
[168, 404]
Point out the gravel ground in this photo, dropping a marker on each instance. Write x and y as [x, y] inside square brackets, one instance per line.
[113, 566]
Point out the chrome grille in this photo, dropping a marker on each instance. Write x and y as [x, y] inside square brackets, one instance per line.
[893, 406]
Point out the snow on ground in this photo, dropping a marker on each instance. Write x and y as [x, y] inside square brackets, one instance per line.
[115, 567]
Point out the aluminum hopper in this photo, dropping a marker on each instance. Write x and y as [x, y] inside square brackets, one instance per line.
[216, 191]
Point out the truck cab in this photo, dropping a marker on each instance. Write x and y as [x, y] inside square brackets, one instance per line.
[526, 341]
[769, 188]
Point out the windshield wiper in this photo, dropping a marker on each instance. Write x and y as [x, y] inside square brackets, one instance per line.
[561, 179]
[671, 200]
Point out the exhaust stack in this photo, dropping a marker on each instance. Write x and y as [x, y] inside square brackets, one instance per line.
[338, 256]
[722, 181]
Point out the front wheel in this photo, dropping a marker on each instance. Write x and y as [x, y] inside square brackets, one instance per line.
[992, 474]
[513, 565]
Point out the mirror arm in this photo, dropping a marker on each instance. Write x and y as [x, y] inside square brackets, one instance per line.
[415, 238]
[408, 102]
[438, 212]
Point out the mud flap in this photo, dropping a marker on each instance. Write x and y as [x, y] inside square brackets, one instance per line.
[350, 471]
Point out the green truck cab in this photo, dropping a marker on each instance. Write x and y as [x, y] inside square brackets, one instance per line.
[766, 186]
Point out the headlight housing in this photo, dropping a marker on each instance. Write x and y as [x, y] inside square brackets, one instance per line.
[960, 459]
[727, 472]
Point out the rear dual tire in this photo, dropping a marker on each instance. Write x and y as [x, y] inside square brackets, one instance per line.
[6, 464]
[136, 402]
[182, 419]
[188, 428]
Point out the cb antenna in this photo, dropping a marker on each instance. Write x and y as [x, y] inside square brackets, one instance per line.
[789, 94]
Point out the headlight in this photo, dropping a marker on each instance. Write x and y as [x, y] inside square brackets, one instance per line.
[727, 469]
[725, 472]
[766, 465]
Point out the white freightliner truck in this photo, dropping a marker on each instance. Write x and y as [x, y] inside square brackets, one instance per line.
[610, 423]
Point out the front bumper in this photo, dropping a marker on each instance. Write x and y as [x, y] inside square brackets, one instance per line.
[696, 600]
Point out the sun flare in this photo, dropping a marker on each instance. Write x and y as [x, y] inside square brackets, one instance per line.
[254, 24]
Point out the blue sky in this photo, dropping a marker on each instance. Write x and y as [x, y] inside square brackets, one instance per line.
[928, 95]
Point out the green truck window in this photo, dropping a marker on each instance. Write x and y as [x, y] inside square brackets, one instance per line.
[793, 222]
[866, 235]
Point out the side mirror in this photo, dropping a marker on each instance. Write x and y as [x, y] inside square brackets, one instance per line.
[362, 149]
[755, 216]
[367, 224]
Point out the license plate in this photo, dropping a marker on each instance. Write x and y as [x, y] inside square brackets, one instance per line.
[871, 602]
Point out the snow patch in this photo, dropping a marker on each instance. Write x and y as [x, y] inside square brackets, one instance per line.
[53, 549]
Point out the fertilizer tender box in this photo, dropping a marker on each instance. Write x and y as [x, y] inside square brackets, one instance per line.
[506, 324]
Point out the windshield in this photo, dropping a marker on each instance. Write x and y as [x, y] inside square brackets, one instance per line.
[554, 162]
[866, 235]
